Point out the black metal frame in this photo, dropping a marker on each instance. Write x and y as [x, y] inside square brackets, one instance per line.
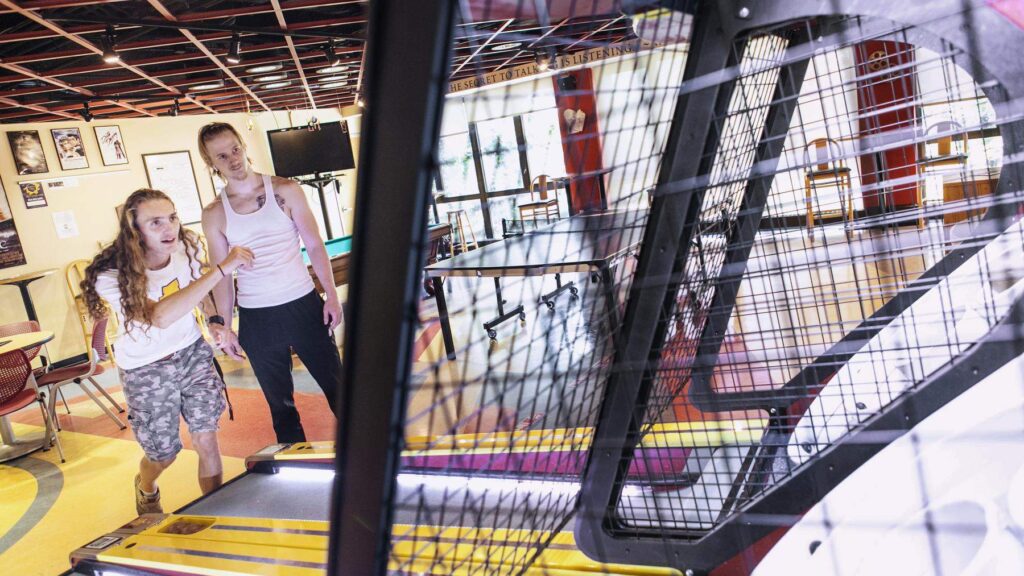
[406, 74]
[672, 220]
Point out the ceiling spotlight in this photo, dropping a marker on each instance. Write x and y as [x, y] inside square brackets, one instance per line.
[208, 85]
[334, 84]
[332, 58]
[359, 100]
[543, 61]
[85, 113]
[235, 49]
[270, 77]
[263, 68]
[110, 55]
[331, 69]
[276, 85]
[176, 109]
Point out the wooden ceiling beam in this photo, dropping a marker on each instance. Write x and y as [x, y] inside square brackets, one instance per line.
[279, 14]
[164, 42]
[78, 40]
[166, 13]
[40, 109]
[257, 9]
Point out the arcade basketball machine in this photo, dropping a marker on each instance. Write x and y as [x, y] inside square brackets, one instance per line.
[795, 245]
[762, 314]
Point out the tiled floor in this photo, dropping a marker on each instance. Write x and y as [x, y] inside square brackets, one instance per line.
[48, 508]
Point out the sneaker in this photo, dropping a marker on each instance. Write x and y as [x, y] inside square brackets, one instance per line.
[144, 503]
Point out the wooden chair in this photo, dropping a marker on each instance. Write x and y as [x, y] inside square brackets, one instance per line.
[943, 149]
[461, 228]
[540, 206]
[944, 144]
[826, 169]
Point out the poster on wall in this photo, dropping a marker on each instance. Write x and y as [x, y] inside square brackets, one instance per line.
[28, 152]
[70, 148]
[65, 224]
[11, 253]
[32, 194]
[112, 149]
[173, 174]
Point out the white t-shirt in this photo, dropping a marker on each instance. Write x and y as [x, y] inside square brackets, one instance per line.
[145, 344]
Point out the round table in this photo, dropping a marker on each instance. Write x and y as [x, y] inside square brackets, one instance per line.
[22, 283]
[10, 446]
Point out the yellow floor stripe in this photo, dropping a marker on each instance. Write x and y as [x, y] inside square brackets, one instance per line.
[17, 491]
[97, 497]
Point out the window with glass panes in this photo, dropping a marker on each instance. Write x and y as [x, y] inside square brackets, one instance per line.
[487, 169]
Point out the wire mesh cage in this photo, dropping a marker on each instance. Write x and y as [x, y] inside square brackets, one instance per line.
[709, 260]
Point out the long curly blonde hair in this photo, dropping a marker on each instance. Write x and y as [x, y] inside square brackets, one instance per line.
[127, 256]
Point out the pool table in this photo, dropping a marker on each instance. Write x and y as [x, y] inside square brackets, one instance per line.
[339, 249]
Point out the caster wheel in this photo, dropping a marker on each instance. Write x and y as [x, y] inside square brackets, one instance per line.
[550, 305]
[594, 278]
[574, 291]
[522, 316]
[492, 334]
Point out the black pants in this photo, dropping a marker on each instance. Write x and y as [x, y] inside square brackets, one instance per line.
[268, 336]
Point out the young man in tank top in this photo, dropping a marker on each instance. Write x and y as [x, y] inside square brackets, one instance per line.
[279, 309]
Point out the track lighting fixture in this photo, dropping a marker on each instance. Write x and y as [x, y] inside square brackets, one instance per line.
[359, 100]
[235, 49]
[332, 58]
[176, 109]
[85, 113]
[543, 61]
[110, 55]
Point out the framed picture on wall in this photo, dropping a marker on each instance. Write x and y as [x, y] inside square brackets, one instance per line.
[70, 148]
[173, 174]
[112, 150]
[28, 152]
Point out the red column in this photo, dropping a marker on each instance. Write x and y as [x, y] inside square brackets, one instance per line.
[886, 89]
[583, 163]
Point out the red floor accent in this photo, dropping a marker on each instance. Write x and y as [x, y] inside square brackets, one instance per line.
[250, 431]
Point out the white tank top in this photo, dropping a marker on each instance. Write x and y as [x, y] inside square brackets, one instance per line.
[278, 274]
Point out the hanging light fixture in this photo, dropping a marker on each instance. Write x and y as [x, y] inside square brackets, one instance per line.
[85, 113]
[176, 109]
[235, 49]
[332, 58]
[359, 100]
[543, 61]
[110, 55]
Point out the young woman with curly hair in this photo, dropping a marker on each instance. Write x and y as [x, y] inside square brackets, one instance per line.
[152, 278]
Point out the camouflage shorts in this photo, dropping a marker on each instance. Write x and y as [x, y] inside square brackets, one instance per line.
[184, 383]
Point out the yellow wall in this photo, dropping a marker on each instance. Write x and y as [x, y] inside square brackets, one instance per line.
[101, 188]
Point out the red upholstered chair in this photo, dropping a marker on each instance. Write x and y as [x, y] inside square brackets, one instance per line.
[16, 392]
[21, 328]
[84, 372]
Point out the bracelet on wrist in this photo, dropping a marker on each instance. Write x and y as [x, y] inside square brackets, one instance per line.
[215, 319]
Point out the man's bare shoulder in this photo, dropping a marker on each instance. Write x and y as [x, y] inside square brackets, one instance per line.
[213, 212]
[285, 185]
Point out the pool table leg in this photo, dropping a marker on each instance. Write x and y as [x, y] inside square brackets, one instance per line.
[442, 315]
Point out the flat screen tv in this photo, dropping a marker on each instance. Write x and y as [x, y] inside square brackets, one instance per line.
[300, 151]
